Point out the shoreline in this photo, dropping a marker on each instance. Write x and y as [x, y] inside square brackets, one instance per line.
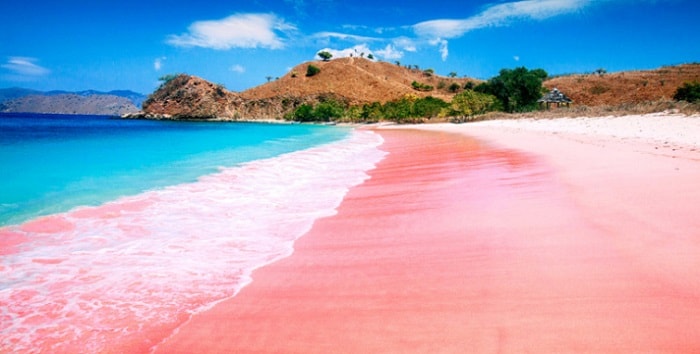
[483, 238]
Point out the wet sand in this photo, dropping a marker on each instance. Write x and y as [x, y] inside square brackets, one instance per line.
[482, 239]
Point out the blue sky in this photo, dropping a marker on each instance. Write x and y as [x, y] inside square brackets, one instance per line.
[107, 45]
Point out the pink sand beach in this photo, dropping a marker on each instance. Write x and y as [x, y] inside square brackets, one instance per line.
[541, 236]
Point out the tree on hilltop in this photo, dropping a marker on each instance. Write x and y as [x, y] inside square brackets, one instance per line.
[325, 55]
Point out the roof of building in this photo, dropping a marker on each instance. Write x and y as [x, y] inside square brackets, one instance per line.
[555, 96]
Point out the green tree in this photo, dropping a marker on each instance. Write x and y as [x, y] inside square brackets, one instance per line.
[454, 87]
[428, 72]
[517, 89]
[452, 74]
[312, 70]
[370, 56]
[690, 92]
[372, 112]
[428, 107]
[325, 55]
[328, 110]
[303, 113]
[467, 104]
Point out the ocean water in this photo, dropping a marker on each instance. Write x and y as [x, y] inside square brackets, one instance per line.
[115, 232]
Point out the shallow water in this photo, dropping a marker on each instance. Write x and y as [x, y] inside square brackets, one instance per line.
[53, 163]
[129, 271]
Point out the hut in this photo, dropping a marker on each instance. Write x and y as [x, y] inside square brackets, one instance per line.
[554, 96]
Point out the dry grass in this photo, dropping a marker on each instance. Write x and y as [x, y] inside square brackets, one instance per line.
[600, 111]
[358, 80]
[629, 87]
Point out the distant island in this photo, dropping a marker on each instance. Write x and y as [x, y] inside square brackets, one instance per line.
[117, 103]
[364, 90]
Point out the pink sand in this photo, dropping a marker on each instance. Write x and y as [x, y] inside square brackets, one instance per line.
[456, 245]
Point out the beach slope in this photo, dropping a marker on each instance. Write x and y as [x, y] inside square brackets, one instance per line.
[489, 237]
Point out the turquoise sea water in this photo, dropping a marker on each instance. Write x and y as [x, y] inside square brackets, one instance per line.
[115, 232]
[52, 163]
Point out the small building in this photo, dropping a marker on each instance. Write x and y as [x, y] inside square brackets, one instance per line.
[554, 96]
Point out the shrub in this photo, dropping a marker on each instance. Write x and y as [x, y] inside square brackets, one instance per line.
[312, 70]
[470, 103]
[428, 107]
[454, 87]
[421, 87]
[689, 92]
[598, 90]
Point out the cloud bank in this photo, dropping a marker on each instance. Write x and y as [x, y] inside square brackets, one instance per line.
[499, 15]
[437, 31]
[235, 31]
[25, 67]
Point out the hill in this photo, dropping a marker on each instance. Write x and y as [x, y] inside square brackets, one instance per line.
[349, 81]
[116, 102]
[629, 87]
[70, 104]
[357, 80]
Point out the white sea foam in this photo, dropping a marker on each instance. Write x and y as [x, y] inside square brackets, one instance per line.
[95, 276]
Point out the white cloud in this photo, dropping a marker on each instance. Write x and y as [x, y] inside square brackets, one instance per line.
[237, 69]
[158, 63]
[442, 44]
[516, 58]
[390, 53]
[25, 67]
[499, 15]
[405, 43]
[235, 31]
[355, 51]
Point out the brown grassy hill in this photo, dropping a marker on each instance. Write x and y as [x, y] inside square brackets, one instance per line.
[629, 87]
[357, 80]
[192, 97]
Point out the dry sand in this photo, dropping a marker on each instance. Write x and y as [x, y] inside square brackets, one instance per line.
[559, 235]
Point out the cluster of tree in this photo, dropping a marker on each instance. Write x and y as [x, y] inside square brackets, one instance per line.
[409, 108]
[513, 90]
[517, 90]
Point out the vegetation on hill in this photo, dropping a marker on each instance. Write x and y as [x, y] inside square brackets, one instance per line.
[689, 92]
[361, 90]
